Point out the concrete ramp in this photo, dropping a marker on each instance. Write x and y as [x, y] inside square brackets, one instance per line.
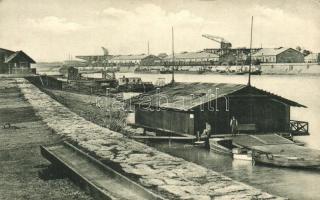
[96, 178]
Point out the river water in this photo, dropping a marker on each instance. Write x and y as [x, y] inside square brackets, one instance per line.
[291, 183]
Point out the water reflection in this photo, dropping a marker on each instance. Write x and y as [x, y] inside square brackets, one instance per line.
[291, 183]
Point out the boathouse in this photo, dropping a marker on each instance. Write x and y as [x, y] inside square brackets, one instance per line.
[187, 107]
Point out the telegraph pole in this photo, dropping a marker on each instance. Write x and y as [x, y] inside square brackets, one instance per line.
[249, 80]
[173, 61]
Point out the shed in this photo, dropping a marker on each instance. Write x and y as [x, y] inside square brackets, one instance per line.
[187, 107]
[15, 62]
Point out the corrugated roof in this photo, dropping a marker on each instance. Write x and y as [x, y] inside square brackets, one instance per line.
[192, 55]
[14, 55]
[185, 96]
[129, 57]
[270, 51]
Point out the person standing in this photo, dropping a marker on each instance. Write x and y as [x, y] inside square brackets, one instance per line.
[207, 133]
[234, 125]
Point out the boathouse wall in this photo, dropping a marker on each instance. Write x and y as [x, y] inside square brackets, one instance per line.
[267, 114]
[167, 120]
[215, 113]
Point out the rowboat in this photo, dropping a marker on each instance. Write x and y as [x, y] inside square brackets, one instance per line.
[290, 155]
[242, 154]
[221, 145]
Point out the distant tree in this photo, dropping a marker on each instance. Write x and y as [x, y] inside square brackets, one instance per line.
[298, 48]
[306, 52]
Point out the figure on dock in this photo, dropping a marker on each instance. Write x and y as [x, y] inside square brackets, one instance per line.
[206, 133]
[207, 130]
[234, 125]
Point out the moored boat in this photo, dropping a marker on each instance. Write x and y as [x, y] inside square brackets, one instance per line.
[289, 155]
[242, 154]
[221, 145]
[284, 161]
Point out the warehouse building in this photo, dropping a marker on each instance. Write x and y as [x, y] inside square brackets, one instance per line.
[278, 55]
[312, 58]
[12, 62]
[151, 60]
[187, 58]
[128, 59]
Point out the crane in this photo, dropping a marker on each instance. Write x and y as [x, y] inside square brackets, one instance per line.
[224, 44]
[105, 51]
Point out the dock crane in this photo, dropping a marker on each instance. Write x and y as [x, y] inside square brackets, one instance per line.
[224, 44]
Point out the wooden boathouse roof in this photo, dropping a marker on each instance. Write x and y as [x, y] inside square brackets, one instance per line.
[15, 56]
[185, 96]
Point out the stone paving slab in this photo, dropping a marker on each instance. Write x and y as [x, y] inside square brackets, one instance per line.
[172, 177]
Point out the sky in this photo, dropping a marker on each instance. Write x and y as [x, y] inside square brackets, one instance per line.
[51, 30]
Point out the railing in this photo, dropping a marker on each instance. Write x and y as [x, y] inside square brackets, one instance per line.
[299, 128]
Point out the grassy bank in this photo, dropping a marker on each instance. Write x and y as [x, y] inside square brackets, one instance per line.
[20, 159]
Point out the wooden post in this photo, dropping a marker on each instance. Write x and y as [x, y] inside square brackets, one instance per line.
[249, 80]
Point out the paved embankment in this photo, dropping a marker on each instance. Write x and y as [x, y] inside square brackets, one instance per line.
[20, 159]
[171, 177]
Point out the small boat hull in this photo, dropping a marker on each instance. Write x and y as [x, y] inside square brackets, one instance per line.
[242, 157]
[242, 154]
[282, 161]
[218, 146]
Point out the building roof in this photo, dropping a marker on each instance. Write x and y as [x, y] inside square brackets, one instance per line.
[313, 56]
[270, 51]
[151, 57]
[192, 55]
[6, 51]
[95, 57]
[16, 55]
[185, 96]
[129, 57]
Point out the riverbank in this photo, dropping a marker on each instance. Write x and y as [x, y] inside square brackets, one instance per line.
[294, 69]
[171, 177]
[20, 159]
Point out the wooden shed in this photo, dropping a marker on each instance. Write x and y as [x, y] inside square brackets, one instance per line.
[15, 62]
[187, 107]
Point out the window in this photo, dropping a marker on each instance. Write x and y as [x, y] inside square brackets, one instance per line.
[23, 64]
